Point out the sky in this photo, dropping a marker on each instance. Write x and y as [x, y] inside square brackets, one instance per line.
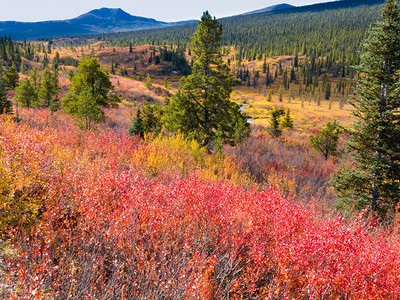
[161, 10]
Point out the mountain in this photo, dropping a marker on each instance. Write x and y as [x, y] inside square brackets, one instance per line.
[333, 30]
[104, 20]
[269, 8]
[113, 20]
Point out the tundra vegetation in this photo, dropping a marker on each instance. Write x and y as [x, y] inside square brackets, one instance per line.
[131, 205]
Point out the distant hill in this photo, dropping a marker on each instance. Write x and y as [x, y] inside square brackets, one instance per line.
[333, 30]
[269, 8]
[104, 20]
[117, 22]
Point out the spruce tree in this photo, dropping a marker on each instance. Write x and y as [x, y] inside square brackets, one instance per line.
[151, 118]
[26, 94]
[326, 140]
[276, 114]
[374, 179]
[48, 91]
[11, 77]
[202, 109]
[287, 121]
[264, 66]
[5, 104]
[90, 91]
[136, 127]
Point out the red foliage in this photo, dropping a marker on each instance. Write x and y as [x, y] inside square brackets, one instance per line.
[109, 232]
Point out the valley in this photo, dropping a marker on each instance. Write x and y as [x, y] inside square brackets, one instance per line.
[218, 159]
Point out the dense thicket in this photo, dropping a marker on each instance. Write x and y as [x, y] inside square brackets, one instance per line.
[342, 24]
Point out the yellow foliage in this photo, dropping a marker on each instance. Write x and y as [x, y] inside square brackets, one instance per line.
[175, 154]
[21, 187]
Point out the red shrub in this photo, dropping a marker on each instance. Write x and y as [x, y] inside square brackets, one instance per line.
[108, 232]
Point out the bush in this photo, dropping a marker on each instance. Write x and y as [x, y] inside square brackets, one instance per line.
[124, 219]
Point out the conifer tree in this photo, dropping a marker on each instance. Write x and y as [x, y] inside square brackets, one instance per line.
[152, 118]
[166, 82]
[287, 121]
[26, 93]
[264, 66]
[136, 127]
[23, 67]
[296, 61]
[327, 92]
[148, 84]
[326, 140]
[11, 77]
[373, 181]
[5, 104]
[202, 108]
[35, 77]
[48, 91]
[276, 114]
[90, 90]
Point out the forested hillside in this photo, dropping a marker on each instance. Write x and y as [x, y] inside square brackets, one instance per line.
[335, 29]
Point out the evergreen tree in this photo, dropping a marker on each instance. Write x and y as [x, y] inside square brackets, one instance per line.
[287, 121]
[84, 109]
[5, 104]
[151, 116]
[90, 90]
[70, 75]
[148, 84]
[373, 181]
[296, 61]
[23, 67]
[326, 140]
[166, 82]
[35, 77]
[26, 93]
[202, 106]
[328, 91]
[48, 91]
[276, 114]
[264, 66]
[292, 75]
[136, 127]
[11, 77]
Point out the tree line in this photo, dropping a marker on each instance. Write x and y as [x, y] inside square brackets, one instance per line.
[297, 31]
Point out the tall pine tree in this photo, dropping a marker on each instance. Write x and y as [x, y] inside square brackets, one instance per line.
[202, 108]
[374, 179]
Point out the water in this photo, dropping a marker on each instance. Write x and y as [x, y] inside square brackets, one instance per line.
[243, 108]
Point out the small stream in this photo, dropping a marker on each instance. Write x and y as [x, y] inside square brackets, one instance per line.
[242, 109]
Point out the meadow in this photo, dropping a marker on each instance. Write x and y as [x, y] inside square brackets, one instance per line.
[103, 215]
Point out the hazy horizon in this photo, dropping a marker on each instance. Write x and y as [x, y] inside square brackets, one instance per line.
[161, 10]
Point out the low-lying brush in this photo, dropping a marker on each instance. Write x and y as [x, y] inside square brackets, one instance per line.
[118, 218]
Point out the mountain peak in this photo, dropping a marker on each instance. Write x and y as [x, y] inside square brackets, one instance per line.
[102, 20]
[270, 8]
[107, 14]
